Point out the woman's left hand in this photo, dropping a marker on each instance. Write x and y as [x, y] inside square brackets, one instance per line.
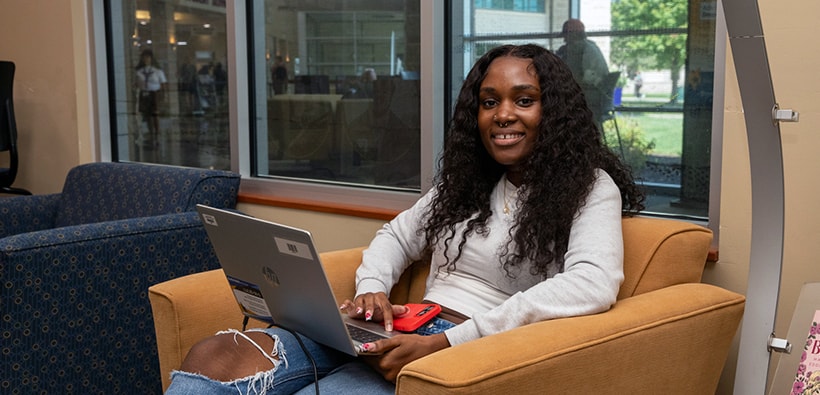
[400, 350]
[374, 306]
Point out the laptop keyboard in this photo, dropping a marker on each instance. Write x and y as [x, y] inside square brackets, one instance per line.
[361, 335]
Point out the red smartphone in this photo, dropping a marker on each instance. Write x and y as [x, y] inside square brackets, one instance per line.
[418, 315]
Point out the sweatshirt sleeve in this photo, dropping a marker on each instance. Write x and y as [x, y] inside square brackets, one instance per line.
[589, 284]
[396, 245]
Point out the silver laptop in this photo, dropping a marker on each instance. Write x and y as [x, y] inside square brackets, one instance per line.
[276, 277]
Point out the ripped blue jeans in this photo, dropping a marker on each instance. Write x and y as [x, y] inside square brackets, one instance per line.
[293, 372]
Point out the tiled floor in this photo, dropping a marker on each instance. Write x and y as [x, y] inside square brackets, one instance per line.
[192, 141]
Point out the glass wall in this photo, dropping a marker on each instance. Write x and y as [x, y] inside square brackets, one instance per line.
[334, 88]
[168, 62]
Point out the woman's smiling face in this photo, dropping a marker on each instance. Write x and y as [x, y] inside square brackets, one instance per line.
[509, 112]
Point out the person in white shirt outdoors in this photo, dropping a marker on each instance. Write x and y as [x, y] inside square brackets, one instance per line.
[150, 84]
[523, 224]
[638, 80]
[588, 65]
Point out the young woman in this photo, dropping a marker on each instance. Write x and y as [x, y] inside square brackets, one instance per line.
[523, 225]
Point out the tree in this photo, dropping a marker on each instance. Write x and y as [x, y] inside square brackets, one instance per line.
[643, 49]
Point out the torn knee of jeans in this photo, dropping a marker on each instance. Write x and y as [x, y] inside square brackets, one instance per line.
[260, 382]
[276, 356]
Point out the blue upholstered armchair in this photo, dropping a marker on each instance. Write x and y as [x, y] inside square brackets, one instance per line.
[75, 268]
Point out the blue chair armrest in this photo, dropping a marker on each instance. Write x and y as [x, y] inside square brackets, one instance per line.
[75, 301]
[23, 214]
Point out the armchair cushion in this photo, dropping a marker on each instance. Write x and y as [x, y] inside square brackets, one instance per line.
[669, 332]
[75, 314]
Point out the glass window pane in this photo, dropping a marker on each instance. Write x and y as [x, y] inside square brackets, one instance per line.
[341, 92]
[170, 107]
[649, 82]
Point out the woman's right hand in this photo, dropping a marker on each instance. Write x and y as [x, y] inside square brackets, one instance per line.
[374, 307]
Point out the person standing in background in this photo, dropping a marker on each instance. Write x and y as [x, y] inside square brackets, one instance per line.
[187, 85]
[399, 64]
[220, 82]
[150, 83]
[279, 75]
[587, 64]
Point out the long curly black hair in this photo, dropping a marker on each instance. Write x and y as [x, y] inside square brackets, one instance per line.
[559, 173]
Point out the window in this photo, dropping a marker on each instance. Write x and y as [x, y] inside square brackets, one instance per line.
[657, 111]
[342, 97]
[169, 96]
[325, 97]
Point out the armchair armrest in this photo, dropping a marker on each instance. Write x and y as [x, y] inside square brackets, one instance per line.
[188, 309]
[191, 308]
[617, 349]
[24, 214]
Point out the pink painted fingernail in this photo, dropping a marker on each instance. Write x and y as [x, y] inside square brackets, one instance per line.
[368, 346]
[368, 316]
[359, 310]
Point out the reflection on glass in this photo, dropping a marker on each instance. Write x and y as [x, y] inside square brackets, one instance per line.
[170, 91]
[342, 92]
[653, 97]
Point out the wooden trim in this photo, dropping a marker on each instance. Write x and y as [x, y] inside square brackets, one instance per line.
[322, 207]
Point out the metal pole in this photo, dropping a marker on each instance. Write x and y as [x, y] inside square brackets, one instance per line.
[765, 156]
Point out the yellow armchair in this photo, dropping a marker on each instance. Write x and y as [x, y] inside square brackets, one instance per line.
[668, 333]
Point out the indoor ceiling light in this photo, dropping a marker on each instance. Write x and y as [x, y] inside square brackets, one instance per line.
[143, 15]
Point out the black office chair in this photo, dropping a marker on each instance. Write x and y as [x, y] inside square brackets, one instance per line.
[608, 106]
[8, 130]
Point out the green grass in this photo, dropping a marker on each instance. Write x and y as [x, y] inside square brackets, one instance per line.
[663, 129]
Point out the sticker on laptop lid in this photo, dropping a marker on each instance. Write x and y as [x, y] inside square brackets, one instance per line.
[250, 299]
[209, 219]
[294, 248]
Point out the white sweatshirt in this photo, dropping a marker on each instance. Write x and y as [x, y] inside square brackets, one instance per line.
[480, 289]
